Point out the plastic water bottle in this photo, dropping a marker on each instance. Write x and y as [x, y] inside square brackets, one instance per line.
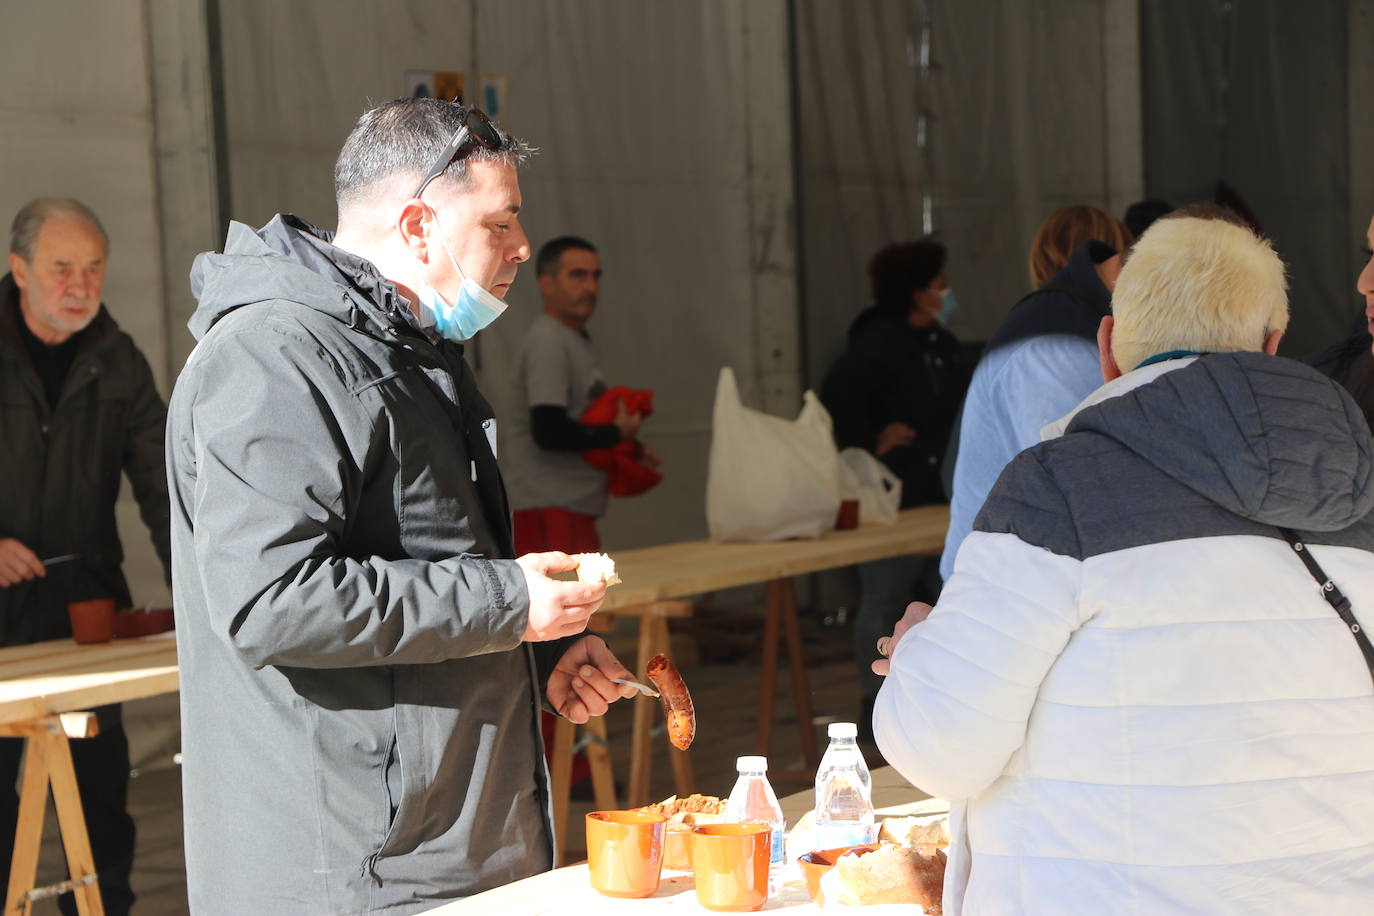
[844, 792]
[752, 802]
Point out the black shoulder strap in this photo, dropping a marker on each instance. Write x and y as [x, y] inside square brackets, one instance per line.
[1333, 595]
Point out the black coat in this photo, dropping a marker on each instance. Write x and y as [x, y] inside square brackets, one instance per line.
[60, 469]
[1351, 363]
[894, 372]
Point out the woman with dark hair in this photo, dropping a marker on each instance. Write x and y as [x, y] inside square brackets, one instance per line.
[897, 387]
[895, 392]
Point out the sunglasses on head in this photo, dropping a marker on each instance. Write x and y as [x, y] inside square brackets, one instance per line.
[474, 129]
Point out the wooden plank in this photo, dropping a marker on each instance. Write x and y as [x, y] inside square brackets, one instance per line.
[95, 690]
[68, 650]
[678, 570]
[72, 724]
[104, 658]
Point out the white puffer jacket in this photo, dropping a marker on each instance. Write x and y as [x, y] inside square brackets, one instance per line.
[1131, 689]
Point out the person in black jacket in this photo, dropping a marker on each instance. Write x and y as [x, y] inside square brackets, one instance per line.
[79, 407]
[897, 387]
[895, 392]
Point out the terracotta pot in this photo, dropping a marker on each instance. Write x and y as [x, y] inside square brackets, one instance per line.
[138, 622]
[92, 621]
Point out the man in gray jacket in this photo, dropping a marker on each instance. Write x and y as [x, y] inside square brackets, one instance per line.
[362, 667]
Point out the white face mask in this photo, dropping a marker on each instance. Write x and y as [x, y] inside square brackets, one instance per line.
[474, 309]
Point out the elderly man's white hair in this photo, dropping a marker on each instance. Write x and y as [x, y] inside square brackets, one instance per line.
[1203, 285]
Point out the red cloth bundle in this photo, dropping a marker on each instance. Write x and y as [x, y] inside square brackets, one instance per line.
[625, 475]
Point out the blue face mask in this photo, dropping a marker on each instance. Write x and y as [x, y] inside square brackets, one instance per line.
[474, 310]
[948, 306]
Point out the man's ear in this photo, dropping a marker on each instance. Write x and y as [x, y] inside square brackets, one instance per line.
[1110, 370]
[1271, 343]
[411, 226]
[545, 285]
[20, 269]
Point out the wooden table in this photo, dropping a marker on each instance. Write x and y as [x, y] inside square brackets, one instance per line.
[41, 685]
[569, 890]
[654, 578]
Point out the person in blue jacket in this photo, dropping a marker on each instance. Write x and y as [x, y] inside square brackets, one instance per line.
[1040, 362]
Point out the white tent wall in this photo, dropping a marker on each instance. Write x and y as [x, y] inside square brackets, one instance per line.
[663, 138]
[1030, 106]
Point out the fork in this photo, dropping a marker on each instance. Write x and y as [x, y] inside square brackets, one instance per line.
[642, 688]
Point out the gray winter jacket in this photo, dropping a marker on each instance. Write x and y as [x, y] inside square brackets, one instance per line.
[359, 713]
[60, 469]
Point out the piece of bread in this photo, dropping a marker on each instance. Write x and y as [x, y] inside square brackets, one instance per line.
[596, 569]
[915, 831]
[890, 874]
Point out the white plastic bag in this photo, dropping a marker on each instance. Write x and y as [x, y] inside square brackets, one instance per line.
[770, 478]
[872, 483]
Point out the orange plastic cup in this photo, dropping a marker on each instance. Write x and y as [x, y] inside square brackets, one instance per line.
[92, 621]
[625, 852]
[731, 865]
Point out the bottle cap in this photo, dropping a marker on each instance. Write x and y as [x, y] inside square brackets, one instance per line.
[751, 765]
[843, 730]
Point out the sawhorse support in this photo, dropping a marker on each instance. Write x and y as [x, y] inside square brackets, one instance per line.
[48, 763]
[780, 618]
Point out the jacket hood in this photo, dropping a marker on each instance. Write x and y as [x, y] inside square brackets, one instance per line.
[290, 259]
[1073, 302]
[1267, 438]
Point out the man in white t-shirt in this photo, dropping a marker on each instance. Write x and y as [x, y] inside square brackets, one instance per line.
[556, 495]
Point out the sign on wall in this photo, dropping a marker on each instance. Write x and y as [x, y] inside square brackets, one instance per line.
[451, 85]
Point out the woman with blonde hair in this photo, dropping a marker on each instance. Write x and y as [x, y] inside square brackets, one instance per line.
[1041, 361]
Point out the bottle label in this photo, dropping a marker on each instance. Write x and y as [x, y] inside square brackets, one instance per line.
[777, 852]
[835, 836]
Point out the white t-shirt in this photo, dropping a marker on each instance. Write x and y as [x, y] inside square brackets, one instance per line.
[555, 366]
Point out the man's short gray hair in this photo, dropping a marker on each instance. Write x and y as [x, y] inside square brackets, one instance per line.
[401, 139]
[31, 217]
